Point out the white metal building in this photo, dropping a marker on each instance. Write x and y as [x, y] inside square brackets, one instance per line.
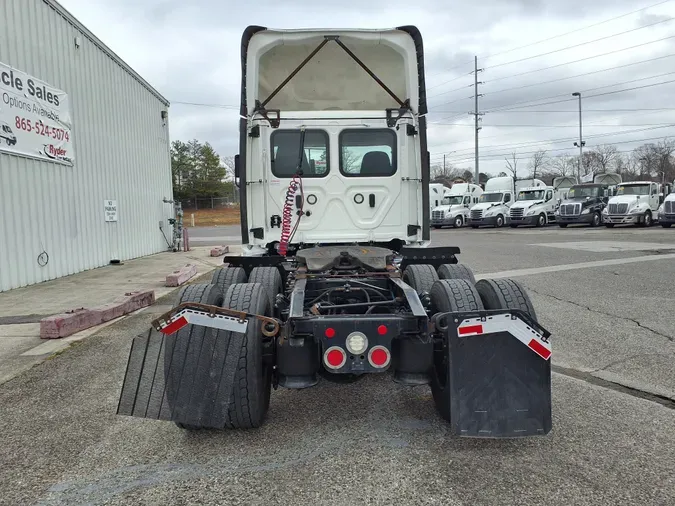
[78, 128]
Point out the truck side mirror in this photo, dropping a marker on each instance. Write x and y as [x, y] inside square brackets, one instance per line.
[236, 166]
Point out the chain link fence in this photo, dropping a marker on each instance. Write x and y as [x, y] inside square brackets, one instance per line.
[202, 203]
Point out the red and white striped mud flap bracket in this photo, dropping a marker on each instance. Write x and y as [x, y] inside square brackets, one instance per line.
[498, 375]
[511, 324]
[188, 316]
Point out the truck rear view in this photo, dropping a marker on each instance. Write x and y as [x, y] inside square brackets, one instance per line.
[337, 279]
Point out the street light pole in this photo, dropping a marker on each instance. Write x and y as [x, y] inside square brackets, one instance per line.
[581, 143]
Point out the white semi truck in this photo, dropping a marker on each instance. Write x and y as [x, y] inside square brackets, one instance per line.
[667, 208]
[456, 205]
[436, 193]
[635, 203]
[338, 279]
[494, 203]
[536, 205]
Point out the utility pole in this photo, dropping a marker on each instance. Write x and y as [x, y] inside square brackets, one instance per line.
[444, 165]
[476, 114]
[580, 143]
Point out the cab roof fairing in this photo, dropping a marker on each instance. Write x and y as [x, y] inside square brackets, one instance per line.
[331, 79]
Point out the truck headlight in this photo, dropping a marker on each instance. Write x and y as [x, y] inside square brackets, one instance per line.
[531, 212]
[448, 214]
[489, 213]
[635, 210]
[659, 211]
[586, 211]
[605, 210]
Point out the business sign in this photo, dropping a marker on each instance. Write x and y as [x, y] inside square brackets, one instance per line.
[34, 118]
[110, 210]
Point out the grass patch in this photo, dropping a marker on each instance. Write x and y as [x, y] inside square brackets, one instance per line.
[212, 217]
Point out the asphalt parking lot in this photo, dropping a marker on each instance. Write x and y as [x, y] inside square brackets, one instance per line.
[607, 297]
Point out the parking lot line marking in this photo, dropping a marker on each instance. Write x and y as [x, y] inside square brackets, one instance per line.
[571, 267]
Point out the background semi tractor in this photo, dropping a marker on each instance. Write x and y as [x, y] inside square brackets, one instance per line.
[667, 208]
[456, 205]
[635, 202]
[337, 279]
[536, 205]
[494, 204]
[585, 202]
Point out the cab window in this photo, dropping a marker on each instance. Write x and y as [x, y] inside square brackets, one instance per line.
[286, 153]
[467, 200]
[549, 195]
[368, 153]
[507, 198]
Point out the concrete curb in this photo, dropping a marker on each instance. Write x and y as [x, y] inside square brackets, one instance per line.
[177, 278]
[219, 251]
[76, 320]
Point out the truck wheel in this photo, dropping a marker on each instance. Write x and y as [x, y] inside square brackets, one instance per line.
[500, 221]
[456, 271]
[562, 225]
[448, 295]
[270, 279]
[647, 219]
[505, 294]
[186, 345]
[597, 219]
[459, 221]
[609, 225]
[420, 277]
[666, 225]
[541, 220]
[226, 276]
[250, 397]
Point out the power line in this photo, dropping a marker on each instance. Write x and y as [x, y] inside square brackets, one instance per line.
[575, 31]
[554, 141]
[583, 59]
[499, 155]
[581, 75]
[219, 106]
[506, 108]
[581, 44]
[450, 91]
[448, 82]
[554, 37]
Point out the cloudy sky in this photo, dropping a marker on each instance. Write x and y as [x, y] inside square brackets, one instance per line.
[534, 53]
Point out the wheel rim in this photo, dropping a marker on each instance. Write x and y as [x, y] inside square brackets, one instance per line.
[458, 222]
[500, 221]
[596, 219]
[648, 219]
[542, 220]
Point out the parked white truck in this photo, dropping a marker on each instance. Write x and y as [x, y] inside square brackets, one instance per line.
[436, 193]
[666, 214]
[536, 205]
[456, 205]
[635, 202]
[493, 205]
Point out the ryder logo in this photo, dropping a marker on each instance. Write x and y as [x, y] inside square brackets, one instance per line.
[55, 152]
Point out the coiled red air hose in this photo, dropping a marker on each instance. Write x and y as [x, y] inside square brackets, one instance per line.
[287, 214]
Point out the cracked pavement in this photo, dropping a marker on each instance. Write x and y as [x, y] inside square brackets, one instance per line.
[375, 442]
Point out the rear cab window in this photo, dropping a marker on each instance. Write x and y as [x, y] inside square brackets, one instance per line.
[368, 152]
[285, 146]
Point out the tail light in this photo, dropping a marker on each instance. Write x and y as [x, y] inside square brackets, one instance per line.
[334, 357]
[379, 357]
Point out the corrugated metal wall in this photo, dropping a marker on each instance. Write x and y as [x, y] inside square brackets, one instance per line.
[121, 148]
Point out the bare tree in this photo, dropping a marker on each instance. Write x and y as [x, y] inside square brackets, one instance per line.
[445, 174]
[512, 165]
[605, 156]
[538, 162]
[228, 163]
[349, 161]
[563, 165]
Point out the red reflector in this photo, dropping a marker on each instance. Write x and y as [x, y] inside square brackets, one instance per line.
[330, 332]
[539, 349]
[175, 326]
[382, 330]
[470, 329]
[335, 358]
[379, 356]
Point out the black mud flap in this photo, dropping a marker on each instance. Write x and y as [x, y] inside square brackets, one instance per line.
[186, 379]
[499, 374]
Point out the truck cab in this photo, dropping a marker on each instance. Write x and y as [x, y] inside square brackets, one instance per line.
[494, 203]
[534, 206]
[666, 215]
[584, 204]
[635, 203]
[436, 193]
[456, 205]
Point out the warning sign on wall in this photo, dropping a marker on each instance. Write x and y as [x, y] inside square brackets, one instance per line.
[110, 207]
